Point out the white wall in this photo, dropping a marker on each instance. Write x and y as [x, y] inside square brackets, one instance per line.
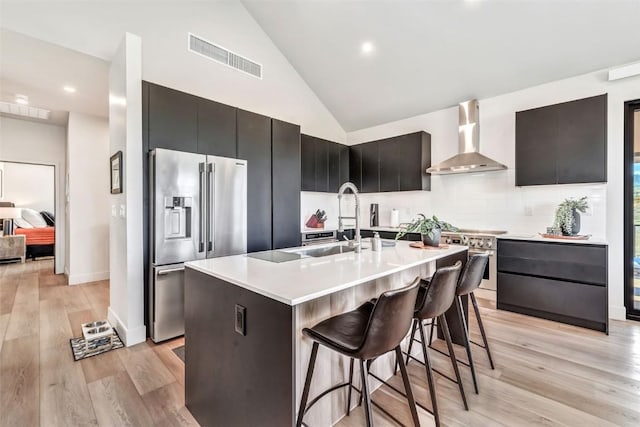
[126, 290]
[491, 200]
[29, 185]
[27, 141]
[281, 93]
[88, 204]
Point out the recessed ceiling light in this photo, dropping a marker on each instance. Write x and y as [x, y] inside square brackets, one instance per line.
[22, 99]
[367, 48]
[69, 89]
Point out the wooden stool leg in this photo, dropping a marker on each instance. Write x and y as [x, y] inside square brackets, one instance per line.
[432, 383]
[307, 384]
[442, 321]
[467, 343]
[365, 391]
[484, 335]
[350, 386]
[407, 388]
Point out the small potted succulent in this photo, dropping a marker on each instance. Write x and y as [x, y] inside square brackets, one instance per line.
[429, 228]
[568, 215]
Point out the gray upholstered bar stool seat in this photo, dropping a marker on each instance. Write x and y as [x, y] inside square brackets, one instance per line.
[373, 329]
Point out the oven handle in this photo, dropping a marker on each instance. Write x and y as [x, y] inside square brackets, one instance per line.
[475, 251]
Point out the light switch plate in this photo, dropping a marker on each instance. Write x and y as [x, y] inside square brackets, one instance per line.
[122, 211]
[114, 211]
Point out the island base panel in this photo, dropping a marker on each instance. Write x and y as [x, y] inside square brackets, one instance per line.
[233, 379]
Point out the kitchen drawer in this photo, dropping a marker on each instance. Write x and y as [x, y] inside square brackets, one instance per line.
[568, 302]
[565, 261]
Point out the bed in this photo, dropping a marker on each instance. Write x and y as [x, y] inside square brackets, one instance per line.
[40, 241]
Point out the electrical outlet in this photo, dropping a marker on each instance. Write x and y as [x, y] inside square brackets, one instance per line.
[240, 320]
[528, 210]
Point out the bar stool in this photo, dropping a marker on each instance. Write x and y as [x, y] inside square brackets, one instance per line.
[371, 330]
[470, 281]
[432, 303]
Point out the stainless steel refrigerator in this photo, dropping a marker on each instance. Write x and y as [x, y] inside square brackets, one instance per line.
[198, 209]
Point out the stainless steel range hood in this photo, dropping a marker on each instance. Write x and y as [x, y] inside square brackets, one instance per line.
[468, 159]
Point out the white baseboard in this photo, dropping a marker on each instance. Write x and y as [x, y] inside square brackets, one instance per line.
[128, 336]
[77, 279]
[617, 312]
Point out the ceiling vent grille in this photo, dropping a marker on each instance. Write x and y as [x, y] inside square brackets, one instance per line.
[224, 56]
[24, 110]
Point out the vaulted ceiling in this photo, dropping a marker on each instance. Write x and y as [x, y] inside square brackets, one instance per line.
[428, 55]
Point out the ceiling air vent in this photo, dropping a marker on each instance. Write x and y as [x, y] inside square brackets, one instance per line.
[219, 54]
[24, 110]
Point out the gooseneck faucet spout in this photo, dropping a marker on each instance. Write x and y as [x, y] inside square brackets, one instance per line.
[344, 187]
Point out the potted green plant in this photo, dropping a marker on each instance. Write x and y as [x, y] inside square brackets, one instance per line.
[568, 215]
[429, 228]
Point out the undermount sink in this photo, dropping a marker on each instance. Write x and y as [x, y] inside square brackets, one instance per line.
[326, 251]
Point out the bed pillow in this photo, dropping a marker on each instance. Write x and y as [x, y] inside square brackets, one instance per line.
[22, 223]
[49, 218]
[33, 217]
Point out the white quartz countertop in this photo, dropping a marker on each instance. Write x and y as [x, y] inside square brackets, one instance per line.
[538, 238]
[295, 282]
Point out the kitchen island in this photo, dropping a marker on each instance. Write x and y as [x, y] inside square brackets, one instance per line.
[246, 357]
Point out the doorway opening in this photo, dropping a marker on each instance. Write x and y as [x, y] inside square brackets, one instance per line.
[29, 188]
[632, 209]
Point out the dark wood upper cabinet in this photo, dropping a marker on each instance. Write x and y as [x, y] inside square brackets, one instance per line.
[344, 165]
[322, 165]
[254, 145]
[285, 148]
[308, 156]
[216, 128]
[370, 168]
[563, 143]
[582, 148]
[355, 165]
[398, 163]
[325, 164]
[172, 119]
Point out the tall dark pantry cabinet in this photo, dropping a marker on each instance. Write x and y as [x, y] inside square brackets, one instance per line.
[180, 121]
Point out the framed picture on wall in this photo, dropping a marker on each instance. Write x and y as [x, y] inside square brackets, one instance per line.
[116, 173]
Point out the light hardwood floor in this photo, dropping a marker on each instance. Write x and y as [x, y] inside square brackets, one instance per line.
[546, 373]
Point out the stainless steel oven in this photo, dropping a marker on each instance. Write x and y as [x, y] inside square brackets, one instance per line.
[480, 242]
[319, 238]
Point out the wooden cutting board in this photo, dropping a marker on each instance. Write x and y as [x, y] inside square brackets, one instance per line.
[420, 245]
[578, 237]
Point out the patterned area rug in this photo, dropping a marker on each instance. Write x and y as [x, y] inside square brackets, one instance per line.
[179, 351]
[79, 352]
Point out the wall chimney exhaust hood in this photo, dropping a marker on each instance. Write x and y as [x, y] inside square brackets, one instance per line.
[468, 158]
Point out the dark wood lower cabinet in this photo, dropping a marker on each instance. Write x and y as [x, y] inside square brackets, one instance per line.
[233, 379]
[564, 282]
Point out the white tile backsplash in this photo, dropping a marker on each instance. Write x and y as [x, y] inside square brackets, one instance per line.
[487, 200]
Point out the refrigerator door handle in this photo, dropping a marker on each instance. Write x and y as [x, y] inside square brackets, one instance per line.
[202, 204]
[212, 182]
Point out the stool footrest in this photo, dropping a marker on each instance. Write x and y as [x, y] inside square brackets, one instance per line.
[327, 391]
[434, 369]
[399, 392]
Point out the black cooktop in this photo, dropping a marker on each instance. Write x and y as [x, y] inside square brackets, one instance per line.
[275, 256]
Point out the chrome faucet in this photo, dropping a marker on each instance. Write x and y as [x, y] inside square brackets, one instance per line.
[356, 242]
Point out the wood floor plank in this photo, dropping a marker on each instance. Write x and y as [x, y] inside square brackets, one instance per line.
[117, 403]
[8, 289]
[64, 395]
[77, 318]
[145, 368]
[55, 330]
[170, 360]
[166, 406]
[4, 323]
[101, 366]
[19, 379]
